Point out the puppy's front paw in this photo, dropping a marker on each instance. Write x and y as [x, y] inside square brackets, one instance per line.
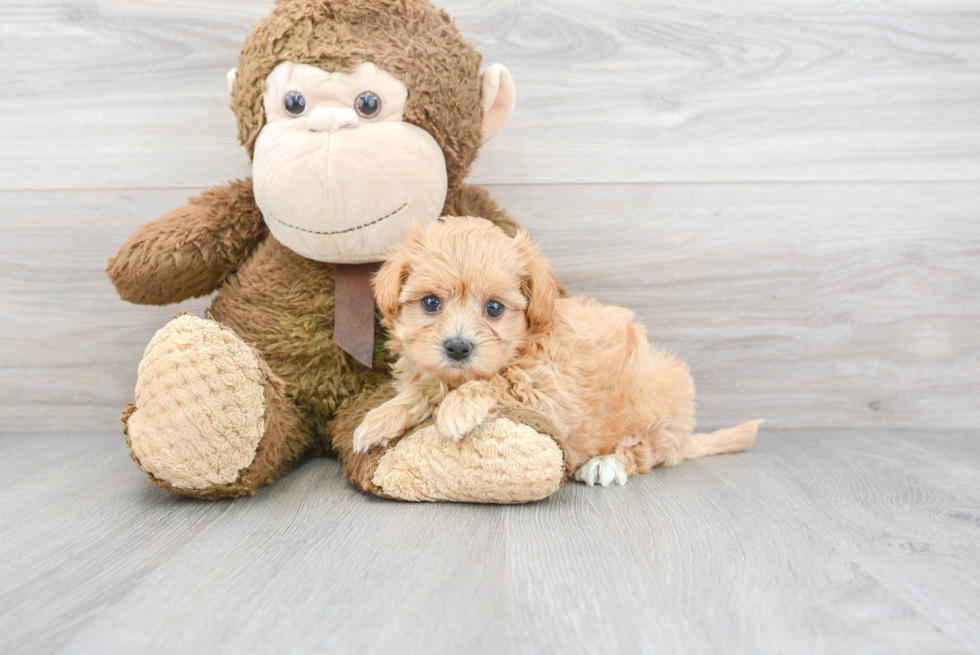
[364, 439]
[459, 423]
[604, 470]
[381, 425]
[461, 413]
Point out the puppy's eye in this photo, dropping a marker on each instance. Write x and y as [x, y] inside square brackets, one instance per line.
[494, 309]
[431, 304]
[295, 103]
[368, 104]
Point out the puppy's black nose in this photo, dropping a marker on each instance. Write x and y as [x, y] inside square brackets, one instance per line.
[458, 349]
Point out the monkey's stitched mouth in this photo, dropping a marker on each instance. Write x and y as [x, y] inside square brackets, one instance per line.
[350, 229]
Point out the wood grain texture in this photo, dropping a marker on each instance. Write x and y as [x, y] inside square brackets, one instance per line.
[807, 305]
[811, 305]
[124, 94]
[787, 195]
[812, 541]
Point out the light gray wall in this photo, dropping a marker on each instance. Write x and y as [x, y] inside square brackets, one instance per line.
[788, 194]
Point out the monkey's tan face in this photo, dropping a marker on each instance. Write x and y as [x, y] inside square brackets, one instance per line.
[338, 174]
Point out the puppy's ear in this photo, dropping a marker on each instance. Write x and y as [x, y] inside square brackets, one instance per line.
[390, 278]
[388, 283]
[539, 286]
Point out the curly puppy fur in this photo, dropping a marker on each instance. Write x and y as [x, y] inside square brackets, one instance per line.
[620, 407]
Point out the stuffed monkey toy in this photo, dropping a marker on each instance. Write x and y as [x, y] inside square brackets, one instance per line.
[360, 118]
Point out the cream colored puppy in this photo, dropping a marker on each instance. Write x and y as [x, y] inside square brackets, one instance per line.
[477, 322]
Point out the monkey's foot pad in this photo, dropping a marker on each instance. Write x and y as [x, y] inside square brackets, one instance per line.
[200, 409]
[500, 462]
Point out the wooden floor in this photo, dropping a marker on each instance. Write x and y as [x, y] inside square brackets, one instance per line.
[842, 541]
[787, 194]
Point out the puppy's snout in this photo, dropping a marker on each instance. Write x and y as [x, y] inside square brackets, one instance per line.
[458, 349]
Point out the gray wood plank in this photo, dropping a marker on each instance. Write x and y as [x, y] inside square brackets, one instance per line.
[89, 536]
[78, 533]
[123, 94]
[328, 570]
[904, 521]
[960, 445]
[807, 305]
[705, 558]
[69, 345]
[813, 541]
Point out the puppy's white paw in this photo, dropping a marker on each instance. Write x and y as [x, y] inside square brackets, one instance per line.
[381, 425]
[461, 413]
[364, 440]
[605, 470]
[459, 424]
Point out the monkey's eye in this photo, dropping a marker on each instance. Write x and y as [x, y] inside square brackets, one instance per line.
[431, 304]
[295, 103]
[494, 309]
[368, 104]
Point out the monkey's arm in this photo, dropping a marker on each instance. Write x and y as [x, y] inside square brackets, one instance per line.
[474, 200]
[190, 251]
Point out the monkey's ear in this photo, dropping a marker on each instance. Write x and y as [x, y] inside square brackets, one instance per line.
[388, 281]
[230, 78]
[539, 286]
[498, 96]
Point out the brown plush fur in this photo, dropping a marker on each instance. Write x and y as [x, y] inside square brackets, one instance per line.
[190, 251]
[587, 367]
[275, 300]
[359, 467]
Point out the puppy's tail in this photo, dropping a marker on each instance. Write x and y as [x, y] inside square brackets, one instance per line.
[729, 440]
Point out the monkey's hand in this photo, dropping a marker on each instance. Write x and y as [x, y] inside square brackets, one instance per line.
[190, 251]
[464, 409]
[381, 425]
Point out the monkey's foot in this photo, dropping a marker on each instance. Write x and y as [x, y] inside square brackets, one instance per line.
[209, 418]
[504, 460]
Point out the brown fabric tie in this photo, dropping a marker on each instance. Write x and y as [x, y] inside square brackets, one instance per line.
[353, 321]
